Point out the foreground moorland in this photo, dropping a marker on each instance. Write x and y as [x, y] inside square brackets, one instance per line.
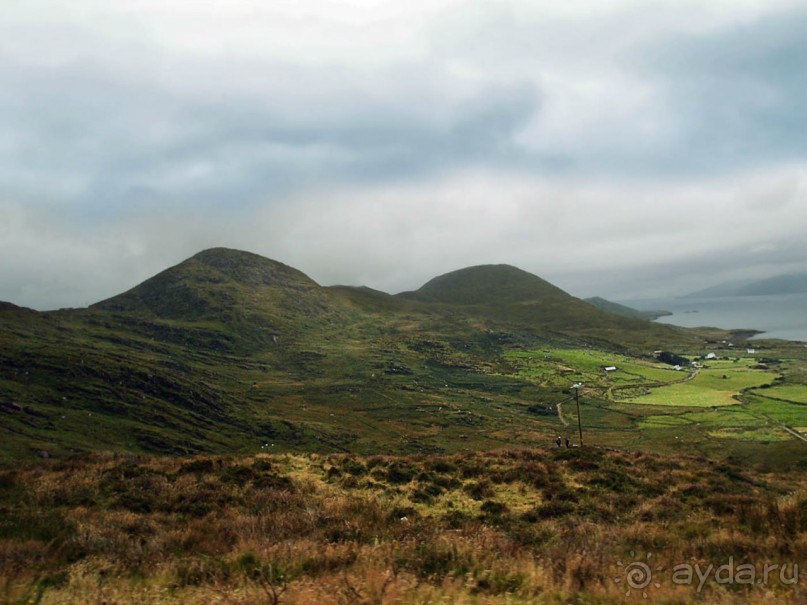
[553, 526]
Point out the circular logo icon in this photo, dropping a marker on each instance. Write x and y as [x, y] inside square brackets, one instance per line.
[637, 576]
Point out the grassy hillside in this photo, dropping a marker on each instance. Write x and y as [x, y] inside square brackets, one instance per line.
[229, 352]
[551, 526]
[210, 281]
[512, 297]
[488, 284]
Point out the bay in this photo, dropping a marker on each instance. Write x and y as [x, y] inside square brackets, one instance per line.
[778, 316]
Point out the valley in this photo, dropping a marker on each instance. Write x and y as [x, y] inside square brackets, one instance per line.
[232, 353]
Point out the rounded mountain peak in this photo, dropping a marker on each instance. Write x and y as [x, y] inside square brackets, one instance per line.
[250, 269]
[212, 279]
[485, 284]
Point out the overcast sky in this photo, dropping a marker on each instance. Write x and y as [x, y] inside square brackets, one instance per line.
[624, 148]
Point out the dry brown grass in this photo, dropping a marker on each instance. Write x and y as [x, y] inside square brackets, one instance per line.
[499, 527]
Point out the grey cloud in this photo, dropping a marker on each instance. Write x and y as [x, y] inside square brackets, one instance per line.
[396, 237]
[103, 140]
[122, 154]
[682, 275]
[739, 95]
[642, 90]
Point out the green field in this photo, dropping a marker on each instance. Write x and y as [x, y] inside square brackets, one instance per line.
[728, 407]
[783, 412]
[710, 388]
[565, 366]
[795, 393]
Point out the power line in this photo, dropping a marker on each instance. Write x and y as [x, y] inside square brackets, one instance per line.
[576, 388]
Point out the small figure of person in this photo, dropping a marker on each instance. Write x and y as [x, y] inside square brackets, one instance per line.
[558, 441]
[568, 443]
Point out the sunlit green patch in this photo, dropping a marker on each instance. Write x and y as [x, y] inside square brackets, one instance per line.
[711, 388]
[561, 367]
[790, 414]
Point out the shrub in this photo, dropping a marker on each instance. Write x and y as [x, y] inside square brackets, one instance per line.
[492, 507]
[274, 482]
[435, 560]
[456, 519]
[399, 473]
[550, 510]
[479, 490]
[496, 582]
[237, 474]
[45, 526]
[202, 465]
[439, 465]
[354, 467]
[427, 493]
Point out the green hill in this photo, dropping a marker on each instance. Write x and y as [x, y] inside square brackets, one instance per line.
[516, 298]
[6, 306]
[487, 284]
[215, 281]
[231, 352]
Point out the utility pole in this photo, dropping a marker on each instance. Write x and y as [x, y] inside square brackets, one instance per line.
[576, 388]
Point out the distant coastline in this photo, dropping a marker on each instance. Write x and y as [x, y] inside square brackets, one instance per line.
[770, 316]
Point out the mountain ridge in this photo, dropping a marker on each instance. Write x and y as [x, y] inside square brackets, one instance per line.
[499, 284]
[227, 348]
[204, 280]
[788, 283]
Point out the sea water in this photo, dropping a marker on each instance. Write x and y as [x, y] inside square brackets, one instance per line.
[778, 316]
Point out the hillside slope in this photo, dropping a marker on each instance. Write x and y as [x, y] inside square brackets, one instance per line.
[229, 351]
[488, 284]
[217, 281]
[512, 297]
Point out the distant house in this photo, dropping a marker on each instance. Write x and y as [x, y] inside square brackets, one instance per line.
[677, 368]
[610, 369]
[711, 356]
[751, 351]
